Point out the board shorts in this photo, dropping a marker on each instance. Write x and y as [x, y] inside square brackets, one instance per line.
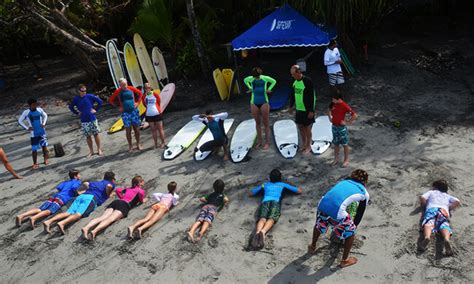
[301, 118]
[343, 228]
[38, 142]
[270, 210]
[336, 78]
[53, 204]
[155, 118]
[131, 118]
[340, 135]
[207, 214]
[84, 205]
[90, 128]
[158, 206]
[121, 206]
[438, 218]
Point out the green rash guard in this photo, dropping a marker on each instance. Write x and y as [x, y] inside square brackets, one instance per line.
[259, 88]
[304, 96]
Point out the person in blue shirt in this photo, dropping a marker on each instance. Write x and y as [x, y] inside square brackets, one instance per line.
[96, 193]
[67, 191]
[83, 105]
[215, 123]
[36, 118]
[270, 208]
[332, 212]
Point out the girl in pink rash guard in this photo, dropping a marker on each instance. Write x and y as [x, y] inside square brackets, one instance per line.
[165, 202]
[118, 209]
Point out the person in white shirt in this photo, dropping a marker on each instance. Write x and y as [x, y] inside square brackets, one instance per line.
[438, 205]
[332, 61]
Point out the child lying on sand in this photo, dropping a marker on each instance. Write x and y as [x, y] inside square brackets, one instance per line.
[213, 203]
[436, 217]
[165, 202]
[67, 190]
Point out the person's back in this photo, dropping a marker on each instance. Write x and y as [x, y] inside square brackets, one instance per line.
[99, 190]
[67, 190]
[216, 199]
[438, 199]
[273, 190]
[131, 195]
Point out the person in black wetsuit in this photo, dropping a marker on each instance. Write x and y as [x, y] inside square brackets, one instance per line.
[215, 122]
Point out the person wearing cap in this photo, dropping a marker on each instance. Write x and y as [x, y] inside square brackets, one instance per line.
[86, 105]
[332, 212]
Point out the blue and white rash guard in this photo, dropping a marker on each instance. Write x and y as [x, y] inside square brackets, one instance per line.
[336, 200]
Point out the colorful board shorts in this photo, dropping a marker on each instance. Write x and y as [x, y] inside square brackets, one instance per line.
[340, 135]
[131, 118]
[84, 205]
[52, 204]
[38, 142]
[301, 118]
[336, 78]
[270, 210]
[158, 206]
[90, 128]
[438, 218]
[207, 214]
[343, 228]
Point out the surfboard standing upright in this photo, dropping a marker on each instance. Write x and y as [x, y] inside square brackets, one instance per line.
[183, 139]
[159, 65]
[322, 135]
[243, 140]
[206, 137]
[286, 137]
[220, 84]
[145, 62]
[115, 64]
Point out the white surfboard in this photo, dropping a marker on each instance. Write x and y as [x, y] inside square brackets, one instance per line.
[115, 64]
[243, 140]
[207, 136]
[159, 65]
[322, 135]
[286, 137]
[183, 139]
[166, 95]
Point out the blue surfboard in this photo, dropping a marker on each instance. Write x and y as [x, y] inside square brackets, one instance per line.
[279, 97]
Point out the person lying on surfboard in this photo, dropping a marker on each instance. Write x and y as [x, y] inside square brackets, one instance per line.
[128, 100]
[269, 209]
[215, 123]
[212, 203]
[165, 201]
[259, 106]
[153, 115]
[128, 198]
[8, 166]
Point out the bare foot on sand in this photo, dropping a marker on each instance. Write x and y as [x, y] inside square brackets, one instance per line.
[345, 164]
[90, 155]
[18, 221]
[226, 157]
[61, 229]
[47, 227]
[423, 244]
[17, 177]
[139, 147]
[257, 146]
[266, 146]
[85, 233]
[261, 239]
[162, 146]
[448, 248]
[190, 238]
[32, 223]
[35, 166]
[307, 151]
[130, 231]
[100, 152]
[138, 234]
[130, 149]
[46, 162]
[311, 249]
[92, 236]
[348, 262]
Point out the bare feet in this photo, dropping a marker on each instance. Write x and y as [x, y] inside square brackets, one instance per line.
[199, 238]
[18, 221]
[130, 149]
[47, 227]
[334, 163]
[139, 147]
[92, 235]
[448, 248]
[138, 234]
[254, 242]
[17, 177]
[46, 162]
[307, 151]
[226, 157]
[312, 249]
[190, 238]
[85, 233]
[345, 164]
[35, 166]
[100, 152]
[162, 146]
[32, 223]
[261, 239]
[90, 154]
[61, 228]
[348, 262]
[258, 145]
[266, 146]
[130, 231]
[422, 246]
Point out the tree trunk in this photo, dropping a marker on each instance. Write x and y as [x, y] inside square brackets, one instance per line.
[203, 59]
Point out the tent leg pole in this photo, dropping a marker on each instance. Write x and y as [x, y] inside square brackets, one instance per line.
[237, 71]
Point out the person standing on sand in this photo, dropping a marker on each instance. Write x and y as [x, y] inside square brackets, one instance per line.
[304, 100]
[438, 204]
[128, 100]
[332, 60]
[36, 118]
[337, 115]
[8, 166]
[259, 106]
[153, 115]
[332, 212]
[83, 105]
[269, 211]
[96, 193]
[215, 123]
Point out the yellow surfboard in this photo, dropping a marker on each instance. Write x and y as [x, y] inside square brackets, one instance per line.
[145, 62]
[228, 77]
[221, 85]
[133, 68]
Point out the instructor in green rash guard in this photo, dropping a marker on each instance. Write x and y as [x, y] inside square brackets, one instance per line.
[304, 99]
[258, 87]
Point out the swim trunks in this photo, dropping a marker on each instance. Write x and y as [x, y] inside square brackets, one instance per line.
[84, 205]
[207, 213]
[38, 142]
[437, 217]
[340, 135]
[52, 204]
[131, 118]
[270, 210]
[90, 128]
[336, 78]
[158, 206]
[343, 228]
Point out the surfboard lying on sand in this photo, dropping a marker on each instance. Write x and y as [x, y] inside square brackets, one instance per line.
[206, 137]
[322, 135]
[183, 139]
[145, 62]
[159, 65]
[243, 140]
[114, 62]
[286, 137]
[220, 84]
[279, 97]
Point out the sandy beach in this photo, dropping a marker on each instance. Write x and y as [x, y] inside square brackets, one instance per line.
[433, 105]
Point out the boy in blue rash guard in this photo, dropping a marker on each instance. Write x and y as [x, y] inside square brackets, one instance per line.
[269, 209]
[332, 212]
[215, 123]
[67, 191]
[83, 105]
[96, 193]
[257, 84]
[36, 118]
